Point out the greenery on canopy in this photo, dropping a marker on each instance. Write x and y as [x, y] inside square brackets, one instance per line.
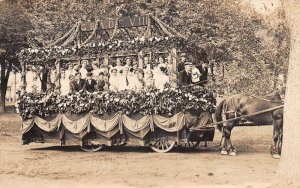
[248, 50]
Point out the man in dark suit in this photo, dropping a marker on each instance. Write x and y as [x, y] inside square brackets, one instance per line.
[180, 66]
[185, 76]
[90, 83]
[78, 83]
[203, 68]
[101, 82]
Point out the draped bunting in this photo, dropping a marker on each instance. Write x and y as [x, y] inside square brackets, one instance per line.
[137, 125]
[111, 124]
[48, 126]
[172, 124]
[27, 125]
[76, 126]
[204, 119]
[106, 125]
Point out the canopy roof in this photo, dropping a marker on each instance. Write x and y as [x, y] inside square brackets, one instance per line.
[92, 40]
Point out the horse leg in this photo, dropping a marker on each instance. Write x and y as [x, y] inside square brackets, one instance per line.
[277, 130]
[226, 145]
[223, 143]
[230, 149]
[280, 141]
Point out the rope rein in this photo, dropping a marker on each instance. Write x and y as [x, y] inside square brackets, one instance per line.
[249, 115]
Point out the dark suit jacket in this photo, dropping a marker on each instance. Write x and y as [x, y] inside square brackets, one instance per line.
[204, 72]
[180, 66]
[74, 86]
[100, 85]
[90, 87]
[184, 78]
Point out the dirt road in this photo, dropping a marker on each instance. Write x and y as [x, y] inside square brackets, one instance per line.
[50, 165]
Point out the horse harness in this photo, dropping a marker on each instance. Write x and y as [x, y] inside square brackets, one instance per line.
[236, 110]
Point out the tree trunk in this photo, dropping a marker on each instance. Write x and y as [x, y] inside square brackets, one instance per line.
[288, 173]
[3, 85]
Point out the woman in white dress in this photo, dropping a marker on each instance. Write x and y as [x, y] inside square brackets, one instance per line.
[149, 81]
[113, 80]
[137, 81]
[160, 79]
[119, 65]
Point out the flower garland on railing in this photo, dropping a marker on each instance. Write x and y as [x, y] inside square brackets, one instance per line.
[152, 101]
[94, 49]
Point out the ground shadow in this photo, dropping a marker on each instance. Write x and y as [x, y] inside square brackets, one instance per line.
[130, 149]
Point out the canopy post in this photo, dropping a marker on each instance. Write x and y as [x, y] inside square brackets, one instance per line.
[106, 71]
[23, 77]
[79, 35]
[58, 75]
[174, 67]
[140, 60]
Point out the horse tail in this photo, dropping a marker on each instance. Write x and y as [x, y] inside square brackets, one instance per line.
[218, 115]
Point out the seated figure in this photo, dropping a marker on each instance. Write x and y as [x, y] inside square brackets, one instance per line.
[149, 81]
[90, 83]
[124, 79]
[101, 82]
[160, 78]
[114, 80]
[77, 84]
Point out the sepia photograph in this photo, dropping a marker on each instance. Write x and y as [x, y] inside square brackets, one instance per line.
[150, 93]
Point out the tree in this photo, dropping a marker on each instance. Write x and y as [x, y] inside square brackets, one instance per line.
[226, 30]
[13, 30]
[288, 172]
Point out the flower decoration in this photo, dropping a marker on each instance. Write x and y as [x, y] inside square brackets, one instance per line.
[150, 101]
[93, 49]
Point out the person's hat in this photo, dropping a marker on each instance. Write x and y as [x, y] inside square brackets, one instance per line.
[128, 57]
[71, 75]
[113, 69]
[188, 63]
[183, 54]
[89, 74]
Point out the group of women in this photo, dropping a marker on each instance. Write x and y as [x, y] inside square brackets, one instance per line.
[122, 76]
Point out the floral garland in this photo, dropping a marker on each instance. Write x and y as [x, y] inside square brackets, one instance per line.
[94, 49]
[152, 101]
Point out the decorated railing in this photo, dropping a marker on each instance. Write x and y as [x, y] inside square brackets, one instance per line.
[145, 102]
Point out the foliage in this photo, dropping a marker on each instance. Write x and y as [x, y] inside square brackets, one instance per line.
[150, 101]
[14, 26]
[94, 49]
[231, 32]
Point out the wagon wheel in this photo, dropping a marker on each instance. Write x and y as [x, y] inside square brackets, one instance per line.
[162, 146]
[91, 146]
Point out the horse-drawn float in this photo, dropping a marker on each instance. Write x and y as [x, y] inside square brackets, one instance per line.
[159, 118]
[92, 132]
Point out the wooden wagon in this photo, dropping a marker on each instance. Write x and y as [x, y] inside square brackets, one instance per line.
[85, 42]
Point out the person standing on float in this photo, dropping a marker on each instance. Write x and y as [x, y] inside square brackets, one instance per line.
[185, 76]
[181, 64]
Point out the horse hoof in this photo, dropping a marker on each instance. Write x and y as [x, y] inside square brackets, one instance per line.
[224, 152]
[233, 153]
[276, 156]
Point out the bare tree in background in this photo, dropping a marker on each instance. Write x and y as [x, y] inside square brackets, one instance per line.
[288, 173]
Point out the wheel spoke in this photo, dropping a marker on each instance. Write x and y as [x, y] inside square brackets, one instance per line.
[162, 146]
[168, 144]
